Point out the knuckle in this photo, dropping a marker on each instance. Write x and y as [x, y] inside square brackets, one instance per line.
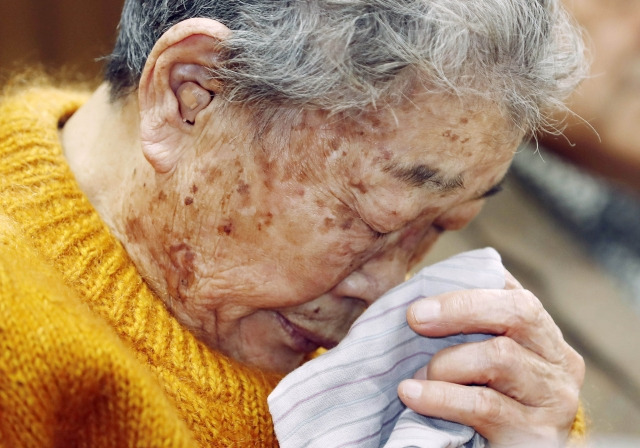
[577, 366]
[487, 406]
[500, 355]
[576, 374]
[527, 309]
[567, 396]
[573, 365]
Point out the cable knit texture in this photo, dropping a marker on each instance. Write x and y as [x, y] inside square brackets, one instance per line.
[88, 355]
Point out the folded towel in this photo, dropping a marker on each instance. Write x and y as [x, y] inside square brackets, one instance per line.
[348, 396]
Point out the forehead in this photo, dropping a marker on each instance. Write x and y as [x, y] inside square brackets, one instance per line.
[434, 138]
[431, 153]
[430, 140]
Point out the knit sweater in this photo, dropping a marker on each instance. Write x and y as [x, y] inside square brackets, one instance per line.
[89, 356]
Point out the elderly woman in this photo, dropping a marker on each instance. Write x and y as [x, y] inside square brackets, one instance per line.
[250, 177]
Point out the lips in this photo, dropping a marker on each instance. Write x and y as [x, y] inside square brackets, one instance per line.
[301, 339]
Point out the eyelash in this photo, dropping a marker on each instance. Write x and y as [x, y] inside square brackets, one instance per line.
[495, 190]
[377, 235]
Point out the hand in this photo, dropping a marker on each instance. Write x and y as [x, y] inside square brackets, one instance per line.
[532, 376]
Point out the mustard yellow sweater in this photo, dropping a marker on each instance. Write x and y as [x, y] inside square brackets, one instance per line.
[88, 355]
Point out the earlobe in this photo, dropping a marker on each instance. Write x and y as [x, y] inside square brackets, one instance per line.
[175, 88]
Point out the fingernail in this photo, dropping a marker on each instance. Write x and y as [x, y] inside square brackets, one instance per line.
[425, 310]
[411, 389]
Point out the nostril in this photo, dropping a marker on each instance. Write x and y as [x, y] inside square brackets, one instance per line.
[358, 302]
[358, 286]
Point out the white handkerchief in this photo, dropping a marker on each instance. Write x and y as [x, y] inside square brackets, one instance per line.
[348, 396]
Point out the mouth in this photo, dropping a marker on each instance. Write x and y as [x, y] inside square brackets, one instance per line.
[302, 340]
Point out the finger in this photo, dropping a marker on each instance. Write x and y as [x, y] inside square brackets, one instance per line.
[479, 407]
[510, 281]
[503, 421]
[421, 373]
[515, 313]
[506, 366]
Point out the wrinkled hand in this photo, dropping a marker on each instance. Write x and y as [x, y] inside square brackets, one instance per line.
[532, 376]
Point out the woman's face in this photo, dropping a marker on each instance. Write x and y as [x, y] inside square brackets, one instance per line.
[268, 253]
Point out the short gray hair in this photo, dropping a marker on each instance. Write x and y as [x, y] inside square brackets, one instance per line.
[351, 55]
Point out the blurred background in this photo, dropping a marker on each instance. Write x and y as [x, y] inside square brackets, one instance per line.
[67, 35]
[567, 223]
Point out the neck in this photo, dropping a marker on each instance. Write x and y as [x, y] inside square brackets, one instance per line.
[100, 144]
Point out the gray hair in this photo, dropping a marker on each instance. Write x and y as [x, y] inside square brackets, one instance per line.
[352, 55]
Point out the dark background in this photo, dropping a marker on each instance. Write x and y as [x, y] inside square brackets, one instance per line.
[59, 35]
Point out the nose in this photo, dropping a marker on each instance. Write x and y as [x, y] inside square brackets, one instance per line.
[373, 278]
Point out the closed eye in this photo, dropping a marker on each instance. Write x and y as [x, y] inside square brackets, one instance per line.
[377, 235]
[497, 188]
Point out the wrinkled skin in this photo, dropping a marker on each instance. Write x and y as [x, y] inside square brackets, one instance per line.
[268, 253]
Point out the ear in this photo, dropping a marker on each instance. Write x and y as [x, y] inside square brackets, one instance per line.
[175, 88]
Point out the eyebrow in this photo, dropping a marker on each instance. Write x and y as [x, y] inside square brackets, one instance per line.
[424, 176]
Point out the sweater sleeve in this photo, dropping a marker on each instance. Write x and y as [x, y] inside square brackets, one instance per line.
[65, 377]
[578, 432]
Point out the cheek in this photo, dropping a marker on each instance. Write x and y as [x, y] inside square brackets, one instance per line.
[333, 243]
[310, 247]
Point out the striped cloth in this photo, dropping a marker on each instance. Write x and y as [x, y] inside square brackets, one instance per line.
[348, 396]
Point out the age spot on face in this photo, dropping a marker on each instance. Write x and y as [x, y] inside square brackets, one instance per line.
[133, 229]
[212, 174]
[357, 183]
[265, 220]
[346, 221]
[243, 188]
[346, 224]
[188, 200]
[384, 155]
[450, 135]
[181, 275]
[225, 228]
[327, 224]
